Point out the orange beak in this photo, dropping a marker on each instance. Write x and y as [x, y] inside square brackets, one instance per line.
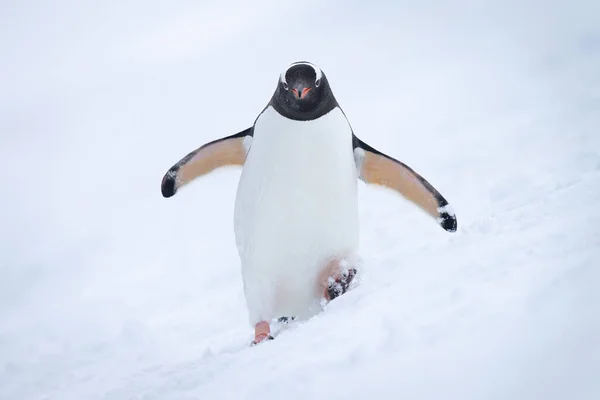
[301, 94]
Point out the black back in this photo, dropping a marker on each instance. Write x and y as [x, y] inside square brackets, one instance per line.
[317, 101]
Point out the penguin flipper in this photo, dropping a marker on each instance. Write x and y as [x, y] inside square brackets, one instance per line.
[226, 151]
[375, 167]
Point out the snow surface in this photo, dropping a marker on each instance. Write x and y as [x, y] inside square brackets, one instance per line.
[109, 291]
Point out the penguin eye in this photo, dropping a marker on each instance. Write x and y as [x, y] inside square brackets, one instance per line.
[318, 82]
[285, 85]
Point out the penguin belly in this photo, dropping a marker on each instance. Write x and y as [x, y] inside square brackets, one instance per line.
[296, 208]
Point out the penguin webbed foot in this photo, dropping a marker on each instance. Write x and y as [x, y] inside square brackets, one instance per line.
[262, 332]
[339, 285]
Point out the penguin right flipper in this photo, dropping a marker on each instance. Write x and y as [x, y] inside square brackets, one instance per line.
[375, 167]
[229, 150]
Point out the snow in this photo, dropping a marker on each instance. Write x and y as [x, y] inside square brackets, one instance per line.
[109, 291]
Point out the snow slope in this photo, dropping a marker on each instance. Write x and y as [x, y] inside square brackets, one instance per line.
[108, 291]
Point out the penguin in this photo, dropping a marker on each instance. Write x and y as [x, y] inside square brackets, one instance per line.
[296, 213]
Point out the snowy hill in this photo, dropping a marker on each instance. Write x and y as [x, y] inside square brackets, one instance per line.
[109, 291]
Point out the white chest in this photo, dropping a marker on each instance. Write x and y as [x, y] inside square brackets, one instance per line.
[296, 198]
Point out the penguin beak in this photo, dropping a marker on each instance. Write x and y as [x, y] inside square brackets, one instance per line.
[301, 92]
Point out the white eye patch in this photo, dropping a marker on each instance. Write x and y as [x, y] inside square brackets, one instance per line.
[318, 72]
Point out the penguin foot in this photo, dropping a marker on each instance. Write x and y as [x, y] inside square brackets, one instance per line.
[262, 331]
[340, 284]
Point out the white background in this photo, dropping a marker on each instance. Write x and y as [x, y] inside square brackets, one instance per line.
[109, 291]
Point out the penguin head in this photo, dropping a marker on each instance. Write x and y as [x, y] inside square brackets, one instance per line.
[303, 92]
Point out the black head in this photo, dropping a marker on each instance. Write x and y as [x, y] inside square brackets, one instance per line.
[303, 93]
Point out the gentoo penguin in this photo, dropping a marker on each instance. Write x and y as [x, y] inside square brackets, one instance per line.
[296, 210]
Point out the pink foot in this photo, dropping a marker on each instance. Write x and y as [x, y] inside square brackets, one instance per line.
[262, 331]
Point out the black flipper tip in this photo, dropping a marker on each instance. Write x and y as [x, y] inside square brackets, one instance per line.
[448, 222]
[168, 184]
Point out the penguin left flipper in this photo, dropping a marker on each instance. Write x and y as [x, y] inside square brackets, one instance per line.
[229, 150]
[375, 167]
